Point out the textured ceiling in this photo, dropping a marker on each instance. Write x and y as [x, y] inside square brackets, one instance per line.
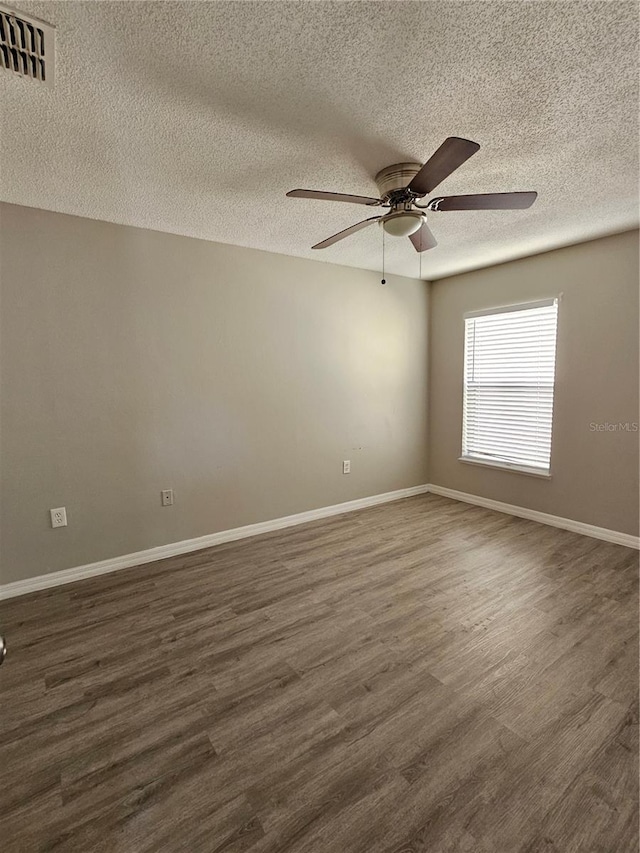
[196, 118]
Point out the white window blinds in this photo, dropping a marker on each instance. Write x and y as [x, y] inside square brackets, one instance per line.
[509, 374]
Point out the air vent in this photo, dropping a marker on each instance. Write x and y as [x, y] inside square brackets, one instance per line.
[27, 46]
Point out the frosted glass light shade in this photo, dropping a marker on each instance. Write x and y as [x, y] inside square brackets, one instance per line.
[403, 224]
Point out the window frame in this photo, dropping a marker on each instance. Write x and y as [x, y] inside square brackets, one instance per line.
[498, 464]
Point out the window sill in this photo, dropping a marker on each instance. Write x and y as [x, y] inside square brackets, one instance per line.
[505, 466]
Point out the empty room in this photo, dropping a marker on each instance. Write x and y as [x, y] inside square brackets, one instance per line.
[319, 525]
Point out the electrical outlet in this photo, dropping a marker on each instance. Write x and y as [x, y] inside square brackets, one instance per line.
[59, 517]
[346, 466]
[166, 496]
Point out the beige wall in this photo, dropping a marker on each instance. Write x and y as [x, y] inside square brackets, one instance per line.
[594, 474]
[134, 361]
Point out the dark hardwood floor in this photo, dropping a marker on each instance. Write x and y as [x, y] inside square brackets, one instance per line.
[419, 676]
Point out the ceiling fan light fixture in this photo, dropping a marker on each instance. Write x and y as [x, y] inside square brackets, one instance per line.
[402, 224]
[401, 184]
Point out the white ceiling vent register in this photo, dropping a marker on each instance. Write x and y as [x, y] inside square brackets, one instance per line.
[27, 46]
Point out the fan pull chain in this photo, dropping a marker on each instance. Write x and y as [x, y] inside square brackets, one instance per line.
[420, 261]
[383, 280]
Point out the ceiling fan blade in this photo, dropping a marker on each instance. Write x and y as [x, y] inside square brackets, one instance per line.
[342, 234]
[423, 238]
[484, 201]
[319, 194]
[452, 153]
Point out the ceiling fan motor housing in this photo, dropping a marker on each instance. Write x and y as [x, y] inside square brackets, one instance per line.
[393, 178]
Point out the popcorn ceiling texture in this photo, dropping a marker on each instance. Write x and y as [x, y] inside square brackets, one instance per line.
[196, 118]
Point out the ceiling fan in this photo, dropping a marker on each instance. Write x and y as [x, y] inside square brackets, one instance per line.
[400, 185]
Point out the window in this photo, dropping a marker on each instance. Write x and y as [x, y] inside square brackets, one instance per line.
[509, 374]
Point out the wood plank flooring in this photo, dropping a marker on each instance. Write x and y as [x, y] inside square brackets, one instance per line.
[419, 676]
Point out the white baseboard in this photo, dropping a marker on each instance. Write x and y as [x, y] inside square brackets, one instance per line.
[10, 590]
[149, 555]
[542, 517]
